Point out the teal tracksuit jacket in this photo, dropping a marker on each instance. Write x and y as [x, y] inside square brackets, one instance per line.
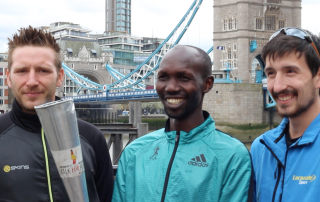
[208, 165]
[287, 174]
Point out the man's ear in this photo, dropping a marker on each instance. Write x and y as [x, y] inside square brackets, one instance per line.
[8, 78]
[208, 84]
[60, 77]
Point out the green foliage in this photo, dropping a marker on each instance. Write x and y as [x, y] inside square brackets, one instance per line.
[123, 120]
[248, 126]
[155, 124]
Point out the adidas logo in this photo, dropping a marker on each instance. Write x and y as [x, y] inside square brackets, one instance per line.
[199, 161]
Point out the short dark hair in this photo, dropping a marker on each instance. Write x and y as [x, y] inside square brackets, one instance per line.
[283, 44]
[33, 37]
[207, 64]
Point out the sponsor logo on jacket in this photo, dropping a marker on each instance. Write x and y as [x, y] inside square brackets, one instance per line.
[199, 161]
[8, 168]
[304, 179]
[154, 156]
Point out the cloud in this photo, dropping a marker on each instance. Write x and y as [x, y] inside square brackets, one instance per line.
[309, 17]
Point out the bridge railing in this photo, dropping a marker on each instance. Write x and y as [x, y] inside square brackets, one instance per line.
[115, 96]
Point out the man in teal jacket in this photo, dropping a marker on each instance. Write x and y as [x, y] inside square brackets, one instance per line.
[188, 160]
[286, 159]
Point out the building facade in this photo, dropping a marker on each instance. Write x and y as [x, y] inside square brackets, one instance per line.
[4, 90]
[241, 24]
[67, 30]
[118, 16]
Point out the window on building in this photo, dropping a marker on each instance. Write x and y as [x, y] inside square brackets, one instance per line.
[72, 66]
[235, 64]
[126, 47]
[270, 22]
[225, 25]
[95, 67]
[281, 24]
[234, 47]
[230, 24]
[1, 102]
[235, 56]
[258, 23]
[229, 54]
[1, 92]
[1, 71]
[121, 29]
[235, 23]
[93, 53]
[1, 81]
[121, 11]
[121, 23]
[121, 5]
[121, 17]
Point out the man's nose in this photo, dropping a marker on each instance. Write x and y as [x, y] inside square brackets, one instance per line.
[32, 79]
[172, 86]
[280, 83]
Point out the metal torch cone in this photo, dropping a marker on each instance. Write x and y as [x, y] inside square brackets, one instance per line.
[59, 122]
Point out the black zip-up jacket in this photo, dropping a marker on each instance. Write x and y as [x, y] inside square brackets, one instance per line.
[23, 176]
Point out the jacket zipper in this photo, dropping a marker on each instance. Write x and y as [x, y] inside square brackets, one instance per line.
[169, 166]
[280, 198]
[284, 172]
[279, 168]
[280, 165]
[277, 183]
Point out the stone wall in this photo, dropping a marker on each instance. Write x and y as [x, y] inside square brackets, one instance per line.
[237, 104]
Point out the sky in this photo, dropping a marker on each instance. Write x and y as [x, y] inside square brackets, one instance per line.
[155, 18]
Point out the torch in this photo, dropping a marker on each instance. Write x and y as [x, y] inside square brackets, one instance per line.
[59, 122]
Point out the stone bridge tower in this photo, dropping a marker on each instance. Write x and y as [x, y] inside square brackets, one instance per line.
[237, 24]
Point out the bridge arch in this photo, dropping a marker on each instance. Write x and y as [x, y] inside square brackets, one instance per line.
[94, 76]
[257, 66]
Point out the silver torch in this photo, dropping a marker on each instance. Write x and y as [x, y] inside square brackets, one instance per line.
[59, 122]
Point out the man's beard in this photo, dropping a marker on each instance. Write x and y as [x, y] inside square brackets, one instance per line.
[299, 109]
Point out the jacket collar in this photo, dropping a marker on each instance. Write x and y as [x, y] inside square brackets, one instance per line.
[29, 122]
[196, 133]
[275, 139]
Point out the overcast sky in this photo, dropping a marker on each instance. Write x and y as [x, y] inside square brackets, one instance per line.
[149, 17]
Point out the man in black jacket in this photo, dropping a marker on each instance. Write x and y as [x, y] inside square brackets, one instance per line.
[35, 71]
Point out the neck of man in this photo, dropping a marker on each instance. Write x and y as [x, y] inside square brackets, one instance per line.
[299, 124]
[186, 124]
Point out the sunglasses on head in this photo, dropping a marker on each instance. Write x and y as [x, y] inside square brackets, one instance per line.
[297, 32]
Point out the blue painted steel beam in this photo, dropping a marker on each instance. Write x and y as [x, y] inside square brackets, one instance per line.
[155, 52]
[68, 72]
[157, 66]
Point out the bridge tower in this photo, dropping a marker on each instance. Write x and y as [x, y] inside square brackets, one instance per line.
[242, 28]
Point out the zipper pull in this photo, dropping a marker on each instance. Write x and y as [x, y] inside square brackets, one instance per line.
[177, 136]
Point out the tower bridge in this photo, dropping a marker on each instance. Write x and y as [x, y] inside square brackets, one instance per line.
[241, 29]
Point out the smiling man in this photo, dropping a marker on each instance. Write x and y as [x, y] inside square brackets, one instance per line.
[188, 160]
[285, 159]
[28, 171]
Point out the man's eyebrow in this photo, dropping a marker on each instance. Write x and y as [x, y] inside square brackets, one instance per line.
[268, 69]
[284, 67]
